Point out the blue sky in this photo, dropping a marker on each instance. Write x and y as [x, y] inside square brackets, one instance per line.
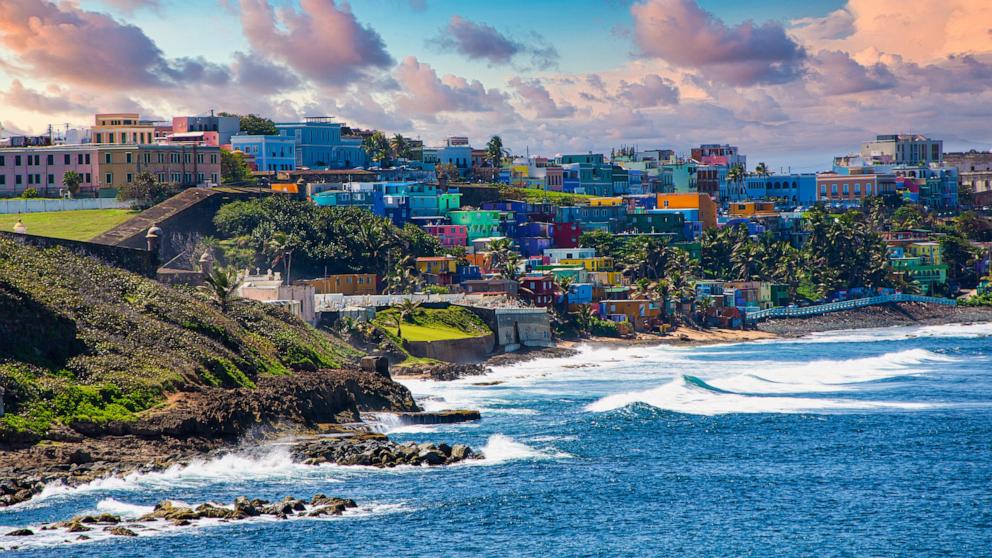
[791, 83]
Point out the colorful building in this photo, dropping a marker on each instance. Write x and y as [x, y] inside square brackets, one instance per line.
[642, 315]
[221, 127]
[320, 144]
[702, 203]
[123, 128]
[852, 189]
[449, 235]
[540, 289]
[796, 189]
[359, 284]
[43, 168]
[267, 153]
[479, 223]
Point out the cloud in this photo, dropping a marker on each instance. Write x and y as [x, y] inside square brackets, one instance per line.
[56, 101]
[480, 41]
[681, 33]
[425, 94]
[252, 71]
[838, 74]
[321, 41]
[537, 97]
[838, 24]
[652, 91]
[131, 6]
[65, 43]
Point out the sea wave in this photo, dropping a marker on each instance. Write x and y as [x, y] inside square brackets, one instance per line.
[691, 395]
[500, 448]
[898, 333]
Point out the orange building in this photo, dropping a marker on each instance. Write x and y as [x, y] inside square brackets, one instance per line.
[346, 284]
[753, 209]
[693, 201]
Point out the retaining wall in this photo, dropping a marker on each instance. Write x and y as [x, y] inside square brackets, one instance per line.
[462, 351]
[134, 260]
[40, 205]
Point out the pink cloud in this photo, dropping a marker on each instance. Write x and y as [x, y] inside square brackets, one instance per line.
[322, 41]
[55, 101]
[425, 94]
[681, 33]
[536, 97]
[838, 74]
[480, 41]
[652, 91]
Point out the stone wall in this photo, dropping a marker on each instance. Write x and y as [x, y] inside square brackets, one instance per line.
[516, 327]
[462, 351]
[136, 260]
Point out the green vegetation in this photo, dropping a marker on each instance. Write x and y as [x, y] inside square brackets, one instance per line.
[254, 125]
[234, 168]
[430, 324]
[335, 239]
[83, 224]
[536, 195]
[147, 191]
[84, 342]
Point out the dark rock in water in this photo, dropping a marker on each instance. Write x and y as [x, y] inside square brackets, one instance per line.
[20, 533]
[82, 538]
[460, 452]
[245, 507]
[77, 527]
[440, 417]
[120, 531]
[374, 450]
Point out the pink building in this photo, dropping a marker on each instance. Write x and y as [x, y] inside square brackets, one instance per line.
[831, 187]
[43, 169]
[449, 235]
[554, 178]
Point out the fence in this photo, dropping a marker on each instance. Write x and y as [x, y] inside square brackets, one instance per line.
[38, 205]
[334, 302]
[784, 312]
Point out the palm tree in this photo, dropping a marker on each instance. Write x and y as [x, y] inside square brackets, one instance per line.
[221, 286]
[505, 260]
[400, 146]
[281, 246]
[664, 290]
[761, 170]
[584, 319]
[703, 307]
[402, 279]
[376, 146]
[406, 309]
[71, 180]
[564, 284]
[735, 175]
[495, 151]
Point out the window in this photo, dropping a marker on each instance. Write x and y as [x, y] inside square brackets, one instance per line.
[110, 137]
[17, 160]
[847, 188]
[109, 179]
[857, 189]
[51, 179]
[3, 180]
[50, 159]
[99, 138]
[833, 189]
[30, 179]
[129, 178]
[67, 160]
[3, 161]
[87, 179]
[18, 180]
[107, 158]
[127, 159]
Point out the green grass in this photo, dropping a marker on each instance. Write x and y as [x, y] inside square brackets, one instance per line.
[83, 224]
[430, 324]
[536, 195]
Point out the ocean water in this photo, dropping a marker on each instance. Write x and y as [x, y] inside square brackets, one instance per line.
[860, 443]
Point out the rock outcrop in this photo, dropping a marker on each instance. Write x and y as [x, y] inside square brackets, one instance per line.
[376, 450]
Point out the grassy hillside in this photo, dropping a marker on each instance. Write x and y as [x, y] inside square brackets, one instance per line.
[429, 324]
[83, 224]
[84, 341]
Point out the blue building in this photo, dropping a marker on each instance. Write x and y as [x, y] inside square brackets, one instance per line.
[796, 189]
[268, 153]
[320, 145]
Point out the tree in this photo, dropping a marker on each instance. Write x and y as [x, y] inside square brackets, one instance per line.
[255, 125]
[71, 180]
[960, 256]
[400, 147]
[221, 286]
[735, 176]
[234, 168]
[281, 246]
[761, 170]
[908, 216]
[447, 171]
[564, 285]
[495, 151]
[146, 191]
[505, 259]
[974, 227]
[405, 310]
[402, 279]
[376, 146]
[606, 243]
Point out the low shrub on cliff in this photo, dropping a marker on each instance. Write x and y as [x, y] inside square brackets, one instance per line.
[85, 341]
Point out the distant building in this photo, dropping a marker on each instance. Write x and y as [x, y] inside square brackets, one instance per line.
[224, 126]
[123, 128]
[852, 189]
[903, 149]
[718, 154]
[267, 153]
[320, 145]
[797, 189]
[702, 203]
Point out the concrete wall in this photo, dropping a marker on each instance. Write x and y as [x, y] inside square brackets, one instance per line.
[517, 327]
[38, 205]
[462, 351]
[135, 260]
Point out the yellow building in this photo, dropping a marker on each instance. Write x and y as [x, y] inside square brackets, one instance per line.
[122, 129]
[437, 265]
[186, 165]
[347, 284]
[702, 203]
[606, 202]
[753, 209]
[598, 263]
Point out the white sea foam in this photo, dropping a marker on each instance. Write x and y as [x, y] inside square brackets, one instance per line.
[500, 449]
[690, 395]
[123, 509]
[963, 331]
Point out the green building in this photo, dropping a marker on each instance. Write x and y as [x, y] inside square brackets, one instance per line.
[481, 223]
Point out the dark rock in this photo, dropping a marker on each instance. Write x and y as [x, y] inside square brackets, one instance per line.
[120, 531]
[20, 533]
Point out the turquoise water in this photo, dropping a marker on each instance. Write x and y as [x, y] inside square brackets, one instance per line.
[865, 443]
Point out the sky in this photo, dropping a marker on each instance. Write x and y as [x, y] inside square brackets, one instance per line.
[791, 83]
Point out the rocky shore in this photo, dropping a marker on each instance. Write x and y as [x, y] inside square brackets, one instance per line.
[888, 315]
[209, 423]
[168, 514]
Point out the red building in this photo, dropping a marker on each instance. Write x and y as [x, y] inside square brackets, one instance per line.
[538, 289]
[449, 235]
[566, 235]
